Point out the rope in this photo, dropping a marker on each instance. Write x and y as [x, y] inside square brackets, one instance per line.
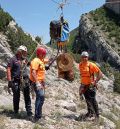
[61, 5]
[54, 1]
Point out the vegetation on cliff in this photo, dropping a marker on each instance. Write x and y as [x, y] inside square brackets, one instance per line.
[109, 23]
[5, 19]
[15, 38]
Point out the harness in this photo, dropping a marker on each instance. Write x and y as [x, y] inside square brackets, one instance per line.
[24, 78]
[84, 88]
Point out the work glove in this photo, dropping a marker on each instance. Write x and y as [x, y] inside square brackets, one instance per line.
[39, 86]
[47, 67]
[41, 89]
[10, 85]
[81, 89]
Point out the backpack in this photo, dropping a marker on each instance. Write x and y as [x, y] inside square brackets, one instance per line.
[59, 31]
[55, 29]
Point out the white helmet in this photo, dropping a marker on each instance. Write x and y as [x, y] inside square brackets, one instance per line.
[84, 53]
[23, 48]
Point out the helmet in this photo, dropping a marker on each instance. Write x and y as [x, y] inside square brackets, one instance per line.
[23, 48]
[40, 50]
[84, 53]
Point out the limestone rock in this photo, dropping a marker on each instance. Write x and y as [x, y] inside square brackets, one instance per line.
[93, 39]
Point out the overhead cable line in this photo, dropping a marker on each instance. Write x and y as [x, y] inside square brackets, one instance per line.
[54, 1]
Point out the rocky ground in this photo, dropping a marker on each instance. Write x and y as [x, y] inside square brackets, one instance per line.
[62, 106]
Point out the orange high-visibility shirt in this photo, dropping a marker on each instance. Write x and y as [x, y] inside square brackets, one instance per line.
[39, 66]
[87, 72]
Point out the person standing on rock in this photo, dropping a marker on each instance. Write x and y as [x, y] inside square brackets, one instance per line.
[16, 76]
[90, 75]
[37, 77]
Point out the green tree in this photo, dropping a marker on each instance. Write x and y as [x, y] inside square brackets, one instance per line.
[117, 81]
[38, 39]
[20, 38]
[5, 19]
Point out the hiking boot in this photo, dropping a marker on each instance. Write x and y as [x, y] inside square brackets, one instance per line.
[80, 118]
[89, 115]
[15, 112]
[29, 116]
[35, 119]
[96, 119]
[29, 113]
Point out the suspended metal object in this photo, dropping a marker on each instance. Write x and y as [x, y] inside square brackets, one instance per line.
[59, 29]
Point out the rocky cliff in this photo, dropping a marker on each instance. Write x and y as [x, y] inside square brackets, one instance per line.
[5, 54]
[93, 39]
[113, 5]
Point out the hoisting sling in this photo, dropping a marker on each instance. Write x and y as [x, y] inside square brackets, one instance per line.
[59, 33]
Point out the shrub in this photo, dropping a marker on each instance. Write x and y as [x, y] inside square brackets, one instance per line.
[76, 57]
[17, 38]
[113, 45]
[38, 39]
[109, 22]
[117, 81]
[37, 126]
[117, 40]
[20, 38]
[95, 19]
[76, 73]
[5, 18]
[106, 69]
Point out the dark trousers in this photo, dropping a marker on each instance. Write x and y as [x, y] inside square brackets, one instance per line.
[92, 105]
[16, 96]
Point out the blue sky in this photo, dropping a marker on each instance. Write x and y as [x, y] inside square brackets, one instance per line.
[34, 16]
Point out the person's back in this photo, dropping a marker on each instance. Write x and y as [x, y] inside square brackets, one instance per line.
[38, 65]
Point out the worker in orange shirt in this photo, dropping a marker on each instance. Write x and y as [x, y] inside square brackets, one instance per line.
[37, 77]
[90, 75]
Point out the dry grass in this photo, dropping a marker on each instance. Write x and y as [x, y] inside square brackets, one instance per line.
[37, 126]
[2, 122]
[116, 111]
[117, 123]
